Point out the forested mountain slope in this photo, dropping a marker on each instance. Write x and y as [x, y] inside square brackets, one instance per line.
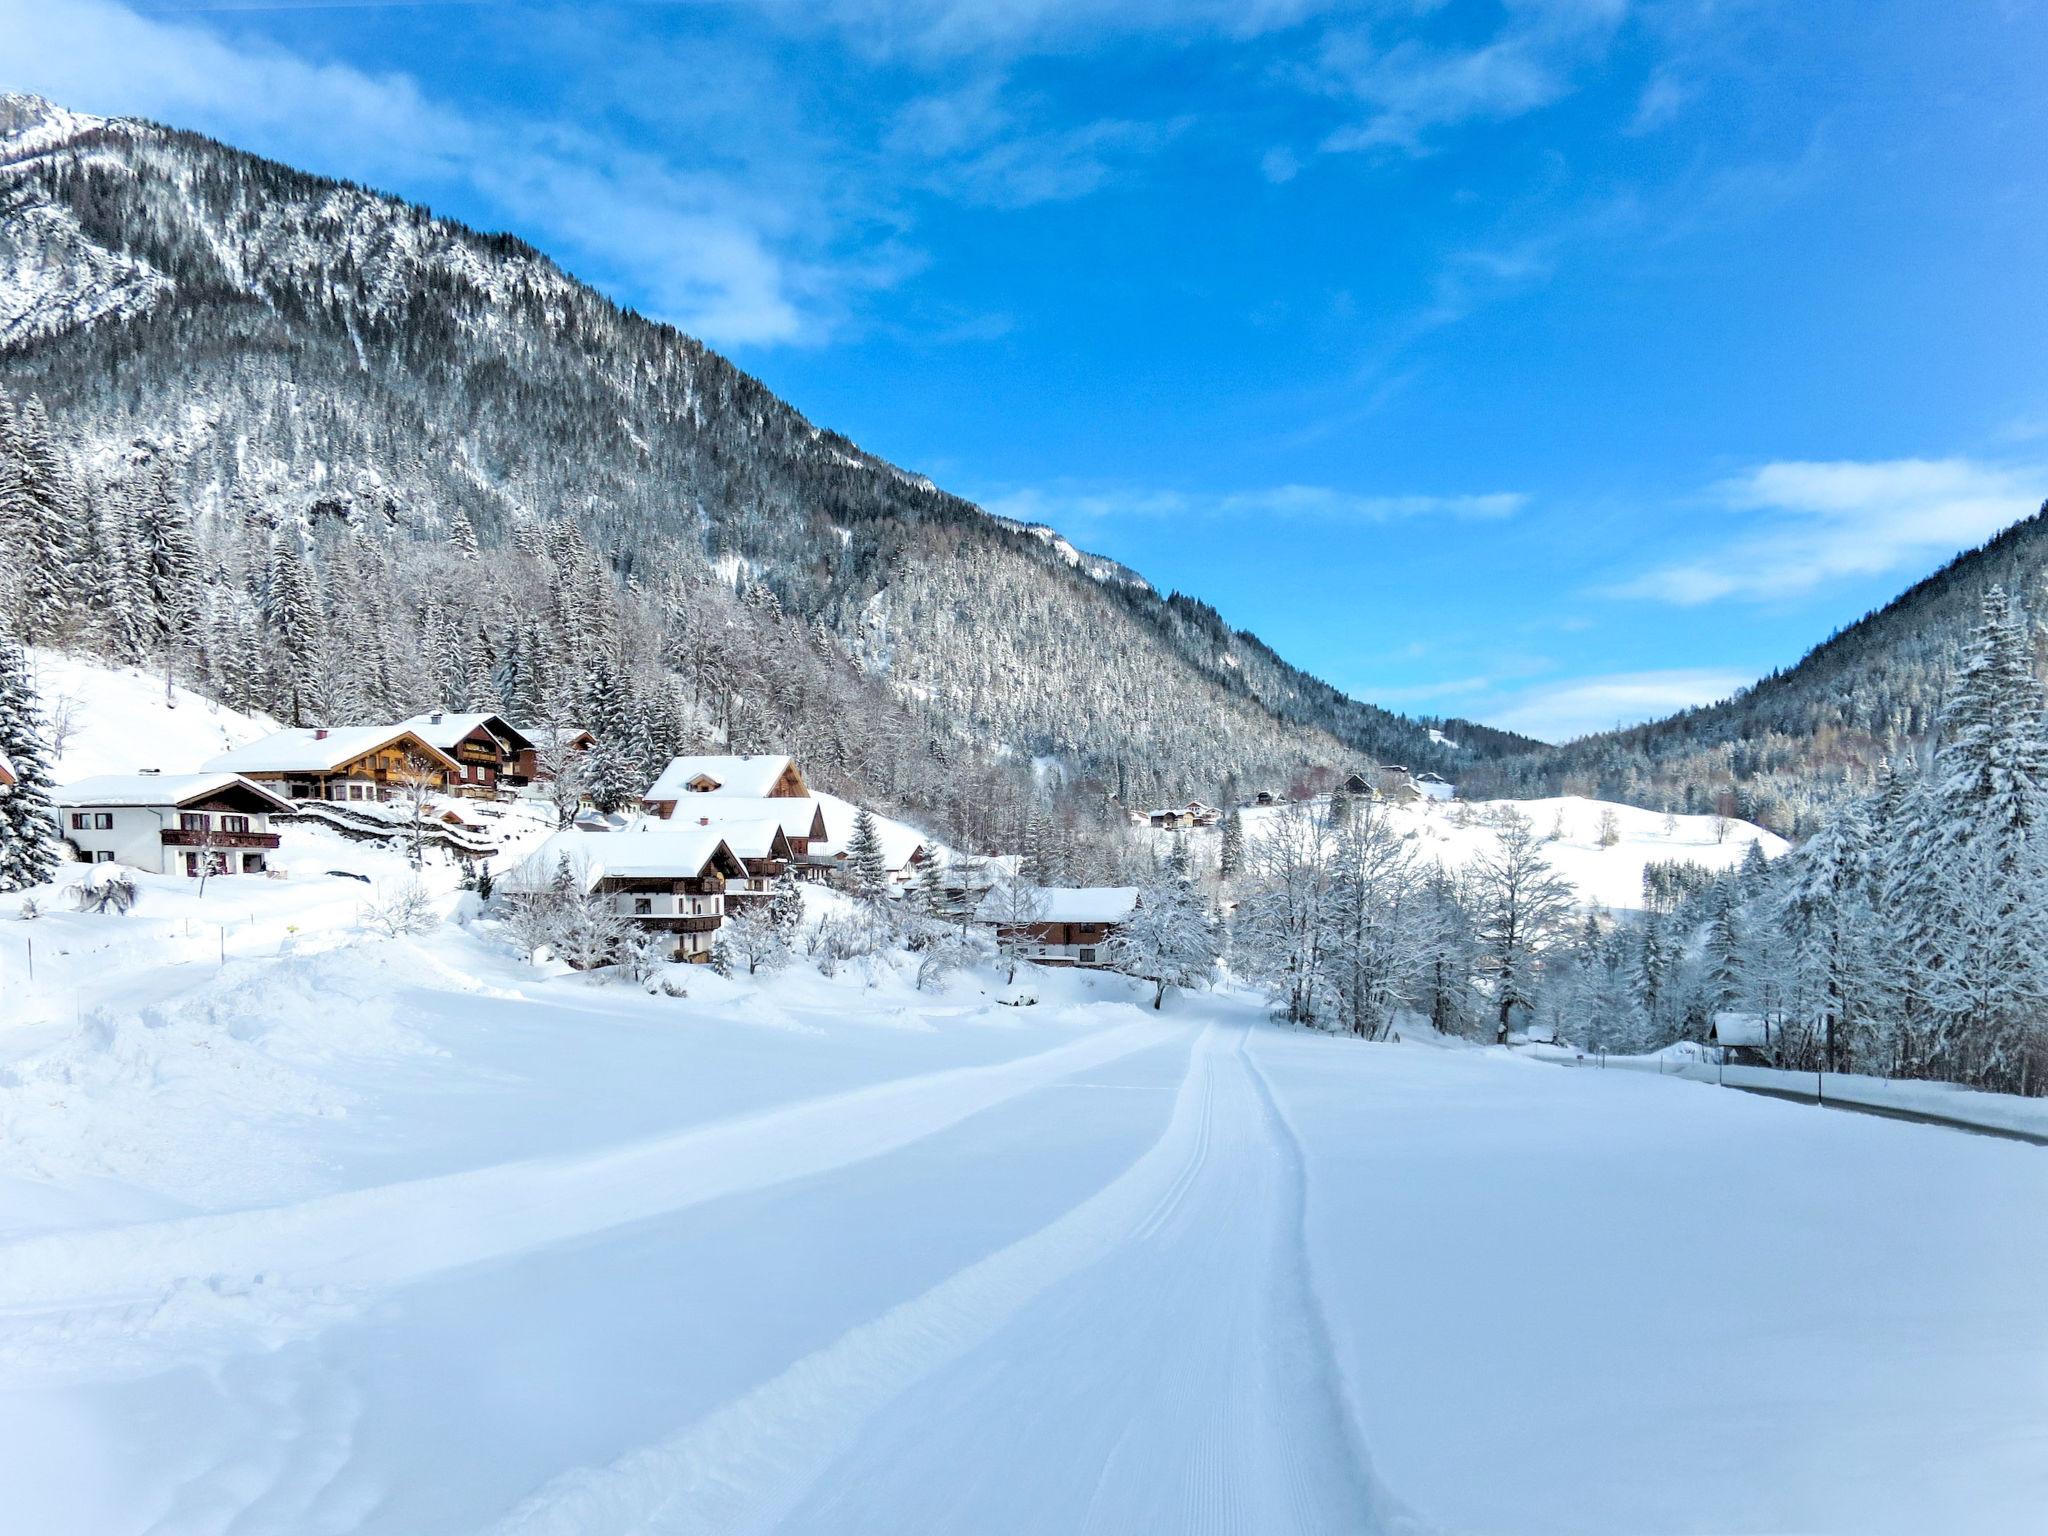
[1791, 743]
[328, 378]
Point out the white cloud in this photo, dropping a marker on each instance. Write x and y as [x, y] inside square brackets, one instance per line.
[955, 28]
[1410, 88]
[1560, 711]
[714, 256]
[1806, 524]
[1061, 506]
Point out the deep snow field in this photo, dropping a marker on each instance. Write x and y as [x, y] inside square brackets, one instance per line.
[1457, 833]
[345, 1234]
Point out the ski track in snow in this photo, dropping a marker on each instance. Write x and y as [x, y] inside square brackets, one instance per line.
[1164, 1329]
[76, 1303]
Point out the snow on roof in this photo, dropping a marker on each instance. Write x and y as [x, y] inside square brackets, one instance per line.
[146, 789]
[750, 838]
[451, 727]
[667, 854]
[1080, 903]
[795, 816]
[1745, 1029]
[310, 749]
[747, 777]
[899, 840]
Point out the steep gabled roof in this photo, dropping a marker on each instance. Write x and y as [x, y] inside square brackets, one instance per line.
[313, 749]
[162, 789]
[666, 854]
[798, 817]
[746, 777]
[444, 728]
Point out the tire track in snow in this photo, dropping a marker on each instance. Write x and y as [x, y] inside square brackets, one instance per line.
[742, 1467]
[1157, 1349]
[291, 1268]
[1312, 1352]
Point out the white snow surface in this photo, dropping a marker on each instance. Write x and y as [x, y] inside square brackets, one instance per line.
[119, 720]
[345, 1234]
[1456, 833]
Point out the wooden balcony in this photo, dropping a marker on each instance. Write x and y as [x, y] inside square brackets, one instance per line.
[182, 837]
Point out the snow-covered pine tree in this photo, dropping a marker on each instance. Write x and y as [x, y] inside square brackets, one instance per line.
[40, 513]
[28, 852]
[1230, 862]
[867, 870]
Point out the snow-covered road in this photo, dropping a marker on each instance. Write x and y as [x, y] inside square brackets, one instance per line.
[821, 1258]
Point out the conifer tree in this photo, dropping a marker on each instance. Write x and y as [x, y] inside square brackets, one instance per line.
[28, 852]
[866, 867]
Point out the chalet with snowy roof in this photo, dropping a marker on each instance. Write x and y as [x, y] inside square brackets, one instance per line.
[1193, 814]
[1074, 926]
[673, 881]
[1741, 1038]
[1434, 786]
[905, 850]
[172, 823]
[762, 848]
[802, 819]
[354, 762]
[1267, 797]
[526, 765]
[485, 748]
[756, 776]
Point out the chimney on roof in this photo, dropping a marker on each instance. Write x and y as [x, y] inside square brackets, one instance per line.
[435, 717]
[149, 770]
[319, 733]
[703, 821]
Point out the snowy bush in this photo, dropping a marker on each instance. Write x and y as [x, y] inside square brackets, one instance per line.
[111, 892]
[404, 909]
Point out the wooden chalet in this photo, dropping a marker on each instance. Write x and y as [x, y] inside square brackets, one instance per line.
[172, 823]
[487, 751]
[356, 762]
[763, 849]
[526, 764]
[1193, 814]
[1074, 926]
[756, 776]
[802, 820]
[673, 881]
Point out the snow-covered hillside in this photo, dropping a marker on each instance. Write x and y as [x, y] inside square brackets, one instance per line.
[108, 719]
[1456, 833]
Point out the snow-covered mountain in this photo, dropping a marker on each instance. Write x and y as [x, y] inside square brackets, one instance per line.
[285, 349]
[1783, 749]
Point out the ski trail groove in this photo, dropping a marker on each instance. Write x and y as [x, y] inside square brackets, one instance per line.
[742, 1467]
[261, 1266]
[1316, 1353]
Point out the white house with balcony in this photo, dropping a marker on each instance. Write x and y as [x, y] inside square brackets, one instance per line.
[672, 880]
[172, 823]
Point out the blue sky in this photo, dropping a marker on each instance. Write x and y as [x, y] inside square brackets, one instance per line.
[1554, 362]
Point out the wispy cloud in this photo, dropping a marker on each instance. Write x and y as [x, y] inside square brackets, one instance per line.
[1410, 88]
[1804, 524]
[724, 259]
[1066, 506]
